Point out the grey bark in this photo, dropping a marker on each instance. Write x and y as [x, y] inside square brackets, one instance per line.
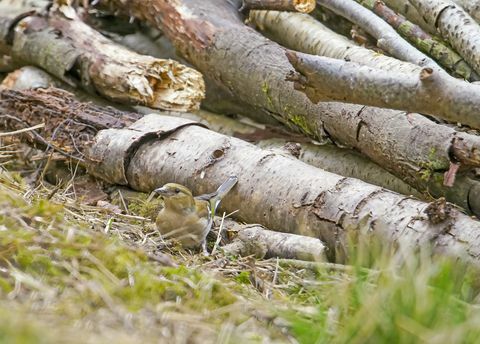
[309, 201]
[250, 70]
[274, 190]
[387, 38]
[455, 25]
[429, 91]
[263, 243]
[405, 8]
[329, 157]
[303, 33]
[471, 6]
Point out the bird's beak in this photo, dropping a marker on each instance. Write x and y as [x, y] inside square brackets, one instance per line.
[163, 191]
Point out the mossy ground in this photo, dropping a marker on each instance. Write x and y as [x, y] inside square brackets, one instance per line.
[77, 273]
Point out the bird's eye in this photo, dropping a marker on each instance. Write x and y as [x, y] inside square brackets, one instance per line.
[177, 190]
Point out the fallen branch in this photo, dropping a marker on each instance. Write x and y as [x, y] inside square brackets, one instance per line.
[70, 50]
[441, 52]
[303, 33]
[246, 74]
[455, 25]
[302, 6]
[429, 92]
[300, 199]
[405, 8]
[256, 240]
[387, 38]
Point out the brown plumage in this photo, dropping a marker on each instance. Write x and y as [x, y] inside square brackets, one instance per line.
[188, 219]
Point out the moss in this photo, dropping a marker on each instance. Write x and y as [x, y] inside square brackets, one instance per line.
[429, 167]
[144, 208]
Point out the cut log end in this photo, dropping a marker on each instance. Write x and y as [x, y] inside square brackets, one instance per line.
[304, 6]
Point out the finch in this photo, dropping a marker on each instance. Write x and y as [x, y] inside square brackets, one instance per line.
[186, 218]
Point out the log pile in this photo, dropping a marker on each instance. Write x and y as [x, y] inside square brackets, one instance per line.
[398, 109]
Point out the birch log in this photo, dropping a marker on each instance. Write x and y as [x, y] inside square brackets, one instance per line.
[328, 157]
[429, 91]
[273, 190]
[246, 74]
[455, 25]
[430, 45]
[303, 33]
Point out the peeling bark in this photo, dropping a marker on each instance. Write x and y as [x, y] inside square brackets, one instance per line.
[309, 201]
[67, 48]
[250, 70]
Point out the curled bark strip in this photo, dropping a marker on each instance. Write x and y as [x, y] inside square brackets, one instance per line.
[455, 25]
[303, 33]
[263, 243]
[302, 6]
[69, 49]
[387, 38]
[430, 92]
[441, 52]
[111, 154]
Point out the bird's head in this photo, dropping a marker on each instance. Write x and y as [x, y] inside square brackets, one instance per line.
[176, 195]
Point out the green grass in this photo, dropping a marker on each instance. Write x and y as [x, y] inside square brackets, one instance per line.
[62, 276]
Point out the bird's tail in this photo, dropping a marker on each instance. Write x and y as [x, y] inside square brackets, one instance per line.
[215, 198]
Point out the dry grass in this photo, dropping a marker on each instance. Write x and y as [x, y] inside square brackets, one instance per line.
[86, 273]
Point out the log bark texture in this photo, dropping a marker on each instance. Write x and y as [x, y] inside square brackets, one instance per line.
[73, 52]
[248, 68]
[455, 25]
[442, 53]
[430, 91]
[303, 33]
[262, 243]
[387, 38]
[328, 157]
[273, 190]
[302, 6]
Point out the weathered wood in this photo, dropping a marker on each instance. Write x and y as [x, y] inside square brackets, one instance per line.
[250, 72]
[329, 157]
[300, 198]
[73, 52]
[262, 243]
[302, 6]
[442, 53]
[429, 91]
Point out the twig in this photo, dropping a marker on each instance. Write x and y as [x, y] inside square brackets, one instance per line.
[24, 130]
[219, 236]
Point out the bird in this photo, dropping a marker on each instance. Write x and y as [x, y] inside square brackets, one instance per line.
[186, 218]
